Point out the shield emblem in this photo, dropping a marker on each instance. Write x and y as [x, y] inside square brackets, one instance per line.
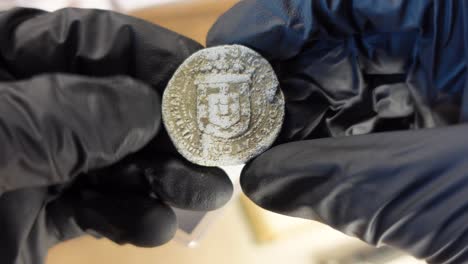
[223, 104]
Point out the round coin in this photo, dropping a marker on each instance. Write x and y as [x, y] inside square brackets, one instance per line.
[223, 106]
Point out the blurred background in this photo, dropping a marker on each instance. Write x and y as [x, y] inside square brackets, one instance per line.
[239, 233]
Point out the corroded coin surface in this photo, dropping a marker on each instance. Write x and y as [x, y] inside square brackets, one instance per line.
[223, 106]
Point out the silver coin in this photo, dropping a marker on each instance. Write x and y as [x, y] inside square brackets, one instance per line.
[223, 106]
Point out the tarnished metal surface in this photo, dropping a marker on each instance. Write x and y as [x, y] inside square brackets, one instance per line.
[223, 106]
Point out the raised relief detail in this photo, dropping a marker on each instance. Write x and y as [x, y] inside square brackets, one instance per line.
[223, 106]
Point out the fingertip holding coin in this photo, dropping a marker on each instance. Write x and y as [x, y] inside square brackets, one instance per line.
[223, 106]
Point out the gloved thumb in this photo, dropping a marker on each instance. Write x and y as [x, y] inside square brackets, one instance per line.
[405, 189]
[53, 127]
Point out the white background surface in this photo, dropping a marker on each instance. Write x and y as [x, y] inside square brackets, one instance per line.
[50, 5]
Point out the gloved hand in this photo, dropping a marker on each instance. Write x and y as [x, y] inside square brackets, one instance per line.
[80, 96]
[350, 69]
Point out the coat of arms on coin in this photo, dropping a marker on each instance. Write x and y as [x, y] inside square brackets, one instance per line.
[223, 106]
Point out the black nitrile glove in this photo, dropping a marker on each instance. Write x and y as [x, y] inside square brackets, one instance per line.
[352, 72]
[80, 91]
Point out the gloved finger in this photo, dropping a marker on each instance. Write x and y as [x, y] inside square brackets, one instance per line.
[296, 25]
[184, 185]
[404, 189]
[330, 56]
[89, 42]
[169, 177]
[53, 127]
[124, 218]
